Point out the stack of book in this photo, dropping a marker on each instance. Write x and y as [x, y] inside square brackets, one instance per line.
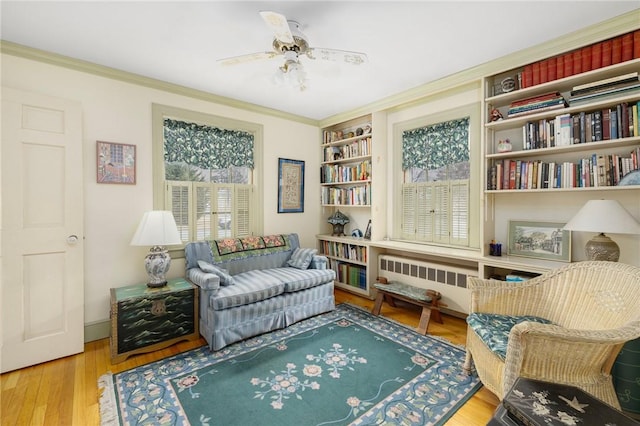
[602, 89]
[545, 102]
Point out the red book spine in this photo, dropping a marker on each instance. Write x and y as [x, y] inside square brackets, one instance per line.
[552, 69]
[527, 76]
[636, 44]
[568, 64]
[616, 50]
[560, 67]
[627, 47]
[596, 56]
[536, 73]
[577, 62]
[586, 59]
[606, 53]
[544, 71]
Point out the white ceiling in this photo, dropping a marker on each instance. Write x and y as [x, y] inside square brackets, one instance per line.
[408, 43]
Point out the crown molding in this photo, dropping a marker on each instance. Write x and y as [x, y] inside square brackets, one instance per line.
[31, 53]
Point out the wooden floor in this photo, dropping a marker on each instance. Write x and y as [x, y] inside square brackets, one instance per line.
[64, 391]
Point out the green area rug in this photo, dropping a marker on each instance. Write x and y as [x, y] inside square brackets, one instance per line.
[342, 367]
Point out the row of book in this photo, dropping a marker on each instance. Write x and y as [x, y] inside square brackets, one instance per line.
[597, 90]
[545, 102]
[352, 196]
[346, 251]
[619, 121]
[338, 173]
[615, 50]
[357, 148]
[598, 170]
[352, 275]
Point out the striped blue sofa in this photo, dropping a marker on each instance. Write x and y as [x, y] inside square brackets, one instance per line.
[252, 285]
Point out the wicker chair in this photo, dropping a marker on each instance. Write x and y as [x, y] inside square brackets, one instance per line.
[593, 307]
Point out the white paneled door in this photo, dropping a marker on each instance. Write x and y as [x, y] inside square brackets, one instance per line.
[42, 229]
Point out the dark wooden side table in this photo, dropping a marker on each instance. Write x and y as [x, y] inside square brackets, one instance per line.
[145, 319]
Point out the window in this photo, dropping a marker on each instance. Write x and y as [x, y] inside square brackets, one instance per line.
[205, 173]
[437, 197]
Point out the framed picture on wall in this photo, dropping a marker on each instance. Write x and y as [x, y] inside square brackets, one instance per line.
[290, 186]
[115, 163]
[541, 240]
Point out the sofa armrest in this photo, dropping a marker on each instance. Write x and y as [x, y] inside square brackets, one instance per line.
[204, 280]
[319, 262]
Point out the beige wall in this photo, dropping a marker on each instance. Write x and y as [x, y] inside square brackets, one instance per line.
[116, 111]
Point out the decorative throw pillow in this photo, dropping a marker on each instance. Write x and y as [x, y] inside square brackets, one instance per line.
[225, 278]
[301, 258]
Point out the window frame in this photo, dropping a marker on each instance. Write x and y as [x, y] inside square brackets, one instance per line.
[472, 111]
[160, 112]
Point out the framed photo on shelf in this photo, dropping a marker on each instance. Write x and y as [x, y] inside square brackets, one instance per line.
[290, 186]
[367, 233]
[540, 240]
[115, 163]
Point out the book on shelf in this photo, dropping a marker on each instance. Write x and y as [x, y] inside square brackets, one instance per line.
[610, 94]
[537, 107]
[628, 77]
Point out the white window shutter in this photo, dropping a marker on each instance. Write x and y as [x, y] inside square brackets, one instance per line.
[424, 212]
[242, 209]
[202, 212]
[408, 211]
[460, 212]
[441, 213]
[178, 201]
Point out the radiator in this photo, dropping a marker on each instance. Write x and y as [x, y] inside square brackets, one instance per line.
[449, 279]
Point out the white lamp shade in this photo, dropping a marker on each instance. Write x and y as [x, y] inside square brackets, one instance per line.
[603, 216]
[157, 228]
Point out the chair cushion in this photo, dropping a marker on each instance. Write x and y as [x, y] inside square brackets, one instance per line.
[494, 329]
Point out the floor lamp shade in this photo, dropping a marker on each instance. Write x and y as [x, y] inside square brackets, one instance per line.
[157, 229]
[603, 216]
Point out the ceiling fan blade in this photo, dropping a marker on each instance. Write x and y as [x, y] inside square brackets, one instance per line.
[235, 60]
[279, 25]
[353, 58]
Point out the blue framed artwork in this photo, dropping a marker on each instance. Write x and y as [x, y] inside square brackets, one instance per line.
[290, 186]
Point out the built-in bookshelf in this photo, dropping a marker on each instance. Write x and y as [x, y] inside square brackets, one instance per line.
[348, 257]
[346, 180]
[580, 146]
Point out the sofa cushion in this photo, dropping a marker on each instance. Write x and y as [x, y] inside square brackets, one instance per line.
[301, 258]
[249, 287]
[298, 279]
[225, 278]
[494, 329]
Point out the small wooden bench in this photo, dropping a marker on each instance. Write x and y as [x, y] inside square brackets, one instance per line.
[428, 299]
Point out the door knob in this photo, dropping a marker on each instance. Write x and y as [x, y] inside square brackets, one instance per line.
[72, 239]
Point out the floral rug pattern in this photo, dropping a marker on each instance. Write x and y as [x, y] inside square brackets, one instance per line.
[343, 367]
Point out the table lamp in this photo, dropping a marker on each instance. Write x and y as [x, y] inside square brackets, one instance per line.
[603, 216]
[157, 229]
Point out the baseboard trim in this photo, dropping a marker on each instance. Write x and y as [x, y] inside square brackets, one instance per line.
[97, 330]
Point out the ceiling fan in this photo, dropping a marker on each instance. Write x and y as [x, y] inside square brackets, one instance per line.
[291, 43]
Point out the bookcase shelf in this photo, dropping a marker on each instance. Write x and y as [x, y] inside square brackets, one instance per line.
[348, 257]
[347, 176]
[593, 166]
